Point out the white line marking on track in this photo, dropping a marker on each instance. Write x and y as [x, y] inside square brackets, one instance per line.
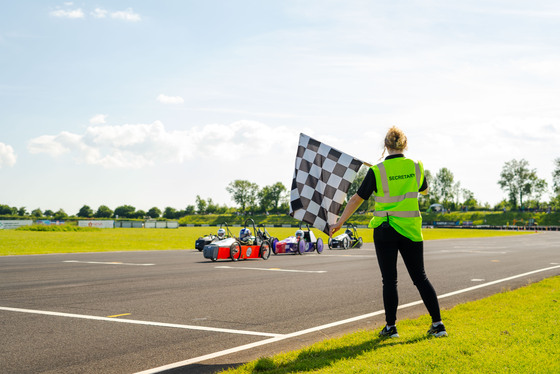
[107, 263]
[481, 247]
[323, 255]
[318, 328]
[271, 269]
[471, 251]
[137, 322]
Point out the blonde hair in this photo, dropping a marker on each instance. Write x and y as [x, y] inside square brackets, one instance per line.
[395, 139]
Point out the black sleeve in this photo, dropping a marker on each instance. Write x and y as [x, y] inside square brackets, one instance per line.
[368, 185]
[424, 185]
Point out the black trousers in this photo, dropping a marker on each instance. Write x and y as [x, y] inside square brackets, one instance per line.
[388, 243]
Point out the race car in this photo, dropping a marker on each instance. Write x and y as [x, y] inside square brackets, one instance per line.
[349, 239]
[266, 236]
[303, 241]
[210, 238]
[243, 247]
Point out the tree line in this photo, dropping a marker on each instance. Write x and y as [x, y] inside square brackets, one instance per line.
[520, 182]
[250, 198]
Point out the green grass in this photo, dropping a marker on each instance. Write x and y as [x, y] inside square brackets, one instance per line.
[511, 332]
[16, 242]
[24, 242]
[429, 234]
[435, 234]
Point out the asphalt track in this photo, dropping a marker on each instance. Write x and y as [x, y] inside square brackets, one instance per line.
[174, 311]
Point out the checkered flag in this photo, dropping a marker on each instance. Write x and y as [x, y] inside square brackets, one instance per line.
[321, 181]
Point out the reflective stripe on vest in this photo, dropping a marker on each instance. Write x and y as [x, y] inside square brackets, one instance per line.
[396, 199]
[408, 214]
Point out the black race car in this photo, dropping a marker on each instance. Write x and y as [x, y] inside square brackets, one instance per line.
[349, 239]
[211, 238]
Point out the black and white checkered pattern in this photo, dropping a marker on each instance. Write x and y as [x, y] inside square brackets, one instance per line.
[321, 181]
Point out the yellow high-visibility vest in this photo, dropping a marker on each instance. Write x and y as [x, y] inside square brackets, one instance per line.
[396, 200]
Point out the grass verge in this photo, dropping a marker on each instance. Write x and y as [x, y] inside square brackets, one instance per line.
[511, 332]
[17, 242]
[436, 234]
[24, 242]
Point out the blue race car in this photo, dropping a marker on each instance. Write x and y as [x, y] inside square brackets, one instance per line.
[301, 242]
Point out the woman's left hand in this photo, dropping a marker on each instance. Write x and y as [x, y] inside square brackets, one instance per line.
[334, 228]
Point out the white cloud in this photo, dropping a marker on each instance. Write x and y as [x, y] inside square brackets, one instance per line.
[54, 145]
[98, 119]
[74, 13]
[7, 155]
[126, 15]
[99, 13]
[164, 99]
[140, 145]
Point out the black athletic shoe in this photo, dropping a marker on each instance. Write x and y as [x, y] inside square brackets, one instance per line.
[437, 331]
[389, 332]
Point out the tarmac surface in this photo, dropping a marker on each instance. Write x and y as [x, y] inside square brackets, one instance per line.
[176, 312]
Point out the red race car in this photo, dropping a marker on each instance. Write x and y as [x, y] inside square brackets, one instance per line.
[243, 247]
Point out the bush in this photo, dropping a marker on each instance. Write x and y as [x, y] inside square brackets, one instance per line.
[234, 219]
[57, 228]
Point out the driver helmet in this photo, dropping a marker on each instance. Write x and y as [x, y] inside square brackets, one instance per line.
[244, 233]
[221, 233]
[348, 232]
[299, 234]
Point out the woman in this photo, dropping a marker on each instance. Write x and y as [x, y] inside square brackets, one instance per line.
[397, 225]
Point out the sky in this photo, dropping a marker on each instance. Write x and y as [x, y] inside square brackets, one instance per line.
[151, 103]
